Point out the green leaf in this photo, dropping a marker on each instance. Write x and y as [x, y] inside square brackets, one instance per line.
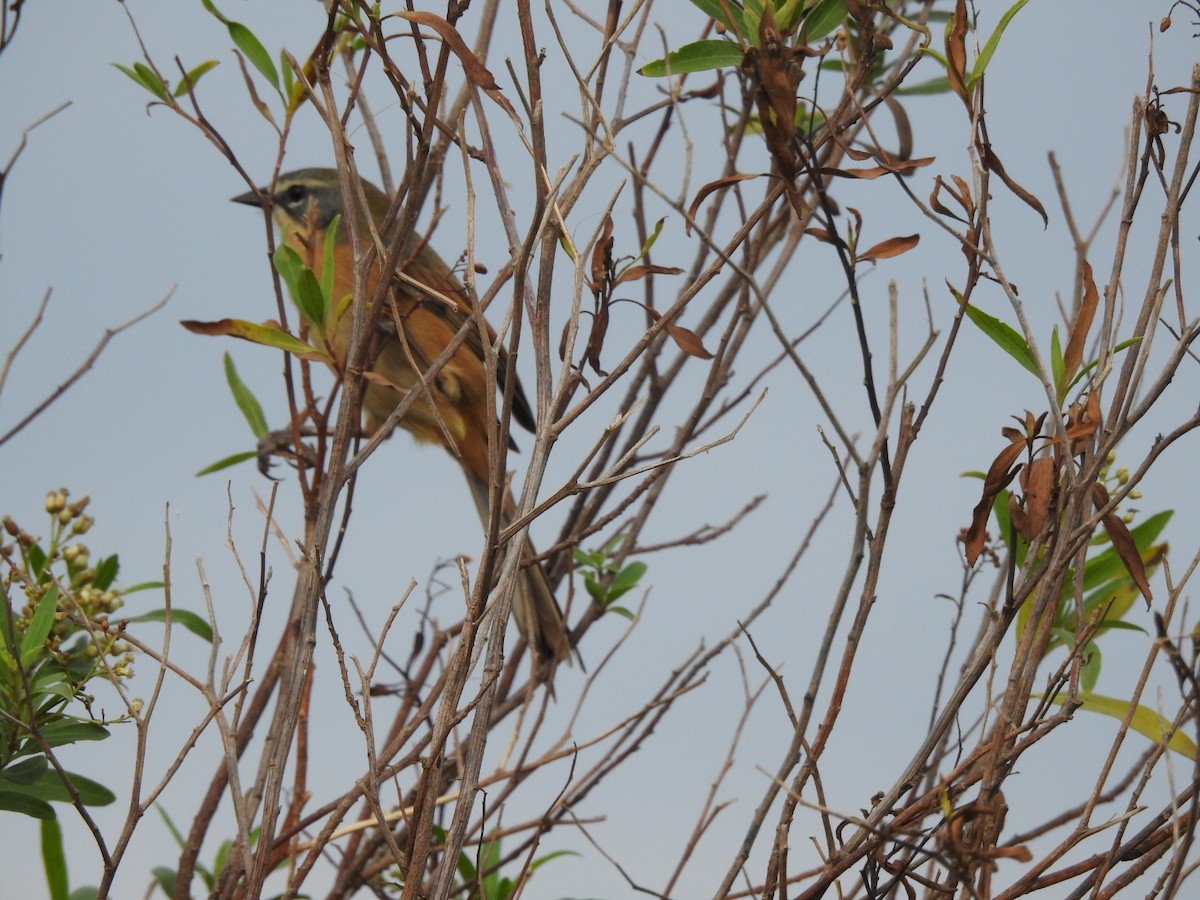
[1057, 364]
[145, 76]
[54, 861]
[84, 893]
[227, 462]
[985, 55]
[1004, 336]
[626, 580]
[26, 771]
[106, 572]
[194, 75]
[327, 263]
[246, 401]
[716, 10]
[25, 805]
[50, 787]
[245, 40]
[658, 227]
[165, 878]
[288, 264]
[939, 85]
[33, 643]
[310, 301]
[175, 832]
[1145, 722]
[266, 335]
[824, 16]
[189, 620]
[620, 611]
[69, 729]
[699, 56]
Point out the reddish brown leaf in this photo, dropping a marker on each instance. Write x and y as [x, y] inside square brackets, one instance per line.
[717, 185]
[992, 161]
[596, 339]
[1081, 326]
[1083, 420]
[889, 248]
[602, 256]
[688, 341]
[890, 167]
[956, 51]
[1037, 488]
[1122, 542]
[1000, 475]
[937, 206]
[633, 273]
[903, 127]
[827, 237]
[475, 70]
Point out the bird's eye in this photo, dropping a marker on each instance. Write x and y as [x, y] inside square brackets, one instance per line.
[295, 193]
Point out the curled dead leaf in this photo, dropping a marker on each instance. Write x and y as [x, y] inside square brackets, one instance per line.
[889, 248]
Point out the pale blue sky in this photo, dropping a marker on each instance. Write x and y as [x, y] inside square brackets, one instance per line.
[111, 208]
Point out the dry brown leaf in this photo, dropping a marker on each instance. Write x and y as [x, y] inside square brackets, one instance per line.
[688, 341]
[1037, 488]
[889, 248]
[1122, 542]
[1081, 326]
[633, 273]
[1000, 475]
[992, 161]
[475, 70]
[956, 51]
[708, 189]
[602, 256]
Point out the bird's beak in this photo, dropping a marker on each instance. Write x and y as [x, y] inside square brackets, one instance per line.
[250, 198]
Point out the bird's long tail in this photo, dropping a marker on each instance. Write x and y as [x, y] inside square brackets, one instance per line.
[537, 614]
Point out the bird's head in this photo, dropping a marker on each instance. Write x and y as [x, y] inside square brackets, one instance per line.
[309, 198]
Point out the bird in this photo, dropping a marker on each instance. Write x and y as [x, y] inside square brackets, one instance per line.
[411, 332]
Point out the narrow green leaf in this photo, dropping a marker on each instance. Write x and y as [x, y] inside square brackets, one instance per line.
[1124, 345]
[658, 227]
[1089, 672]
[1004, 336]
[715, 10]
[699, 56]
[85, 893]
[327, 263]
[985, 55]
[208, 4]
[939, 85]
[245, 41]
[288, 264]
[824, 16]
[1057, 364]
[165, 878]
[50, 788]
[194, 75]
[25, 805]
[154, 85]
[246, 401]
[26, 771]
[189, 620]
[626, 580]
[39, 627]
[267, 335]
[621, 611]
[171, 827]
[228, 462]
[1145, 722]
[106, 572]
[69, 729]
[310, 301]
